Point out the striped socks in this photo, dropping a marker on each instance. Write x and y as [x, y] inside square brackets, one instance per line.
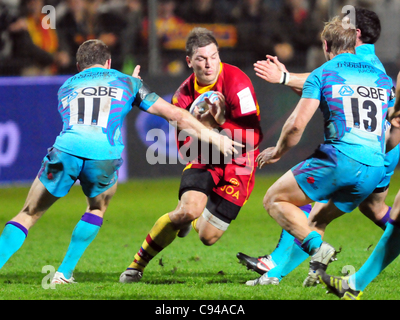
[160, 236]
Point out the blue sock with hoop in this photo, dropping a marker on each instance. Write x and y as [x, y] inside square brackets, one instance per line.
[285, 243]
[12, 238]
[387, 249]
[84, 233]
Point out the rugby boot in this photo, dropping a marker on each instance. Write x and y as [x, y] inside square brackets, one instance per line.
[320, 260]
[263, 281]
[260, 265]
[59, 278]
[130, 275]
[339, 286]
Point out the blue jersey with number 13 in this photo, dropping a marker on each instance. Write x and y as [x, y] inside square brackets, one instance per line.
[354, 99]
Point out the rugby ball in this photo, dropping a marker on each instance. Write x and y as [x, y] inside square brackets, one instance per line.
[201, 103]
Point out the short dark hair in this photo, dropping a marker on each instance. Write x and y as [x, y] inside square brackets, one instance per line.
[369, 24]
[92, 52]
[198, 38]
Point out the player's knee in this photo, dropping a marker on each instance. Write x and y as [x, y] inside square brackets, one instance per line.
[209, 240]
[188, 213]
[268, 202]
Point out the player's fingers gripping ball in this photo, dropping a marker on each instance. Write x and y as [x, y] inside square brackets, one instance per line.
[200, 109]
[201, 104]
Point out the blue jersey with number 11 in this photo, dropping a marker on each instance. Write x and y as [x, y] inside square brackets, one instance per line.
[354, 99]
[93, 105]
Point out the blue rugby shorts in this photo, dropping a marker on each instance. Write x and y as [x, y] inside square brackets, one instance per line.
[330, 174]
[60, 170]
[391, 160]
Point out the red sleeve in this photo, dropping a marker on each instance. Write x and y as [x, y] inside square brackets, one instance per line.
[242, 110]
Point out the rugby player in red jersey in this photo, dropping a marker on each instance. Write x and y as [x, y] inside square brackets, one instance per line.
[210, 194]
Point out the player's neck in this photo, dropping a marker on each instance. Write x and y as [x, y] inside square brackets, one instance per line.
[96, 66]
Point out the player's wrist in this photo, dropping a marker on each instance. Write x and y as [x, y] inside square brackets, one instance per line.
[285, 78]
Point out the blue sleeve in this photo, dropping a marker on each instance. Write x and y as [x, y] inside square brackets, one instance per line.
[313, 85]
[392, 98]
[144, 98]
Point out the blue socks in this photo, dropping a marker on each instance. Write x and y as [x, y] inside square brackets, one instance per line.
[291, 262]
[12, 238]
[284, 247]
[312, 242]
[387, 249]
[84, 233]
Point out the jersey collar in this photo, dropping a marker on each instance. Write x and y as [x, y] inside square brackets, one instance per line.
[201, 89]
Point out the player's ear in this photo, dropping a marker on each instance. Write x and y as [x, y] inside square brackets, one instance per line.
[358, 33]
[189, 63]
[108, 64]
[78, 67]
[325, 46]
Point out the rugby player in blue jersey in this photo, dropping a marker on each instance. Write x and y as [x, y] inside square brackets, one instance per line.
[387, 249]
[92, 105]
[287, 256]
[337, 89]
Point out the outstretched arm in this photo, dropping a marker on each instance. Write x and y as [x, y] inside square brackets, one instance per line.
[291, 132]
[273, 71]
[183, 120]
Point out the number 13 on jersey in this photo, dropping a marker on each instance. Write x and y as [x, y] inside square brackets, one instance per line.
[362, 106]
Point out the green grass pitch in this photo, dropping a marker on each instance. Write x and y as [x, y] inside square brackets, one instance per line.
[187, 269]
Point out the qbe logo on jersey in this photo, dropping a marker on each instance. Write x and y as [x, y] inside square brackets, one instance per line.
[362, 106]
[91, 105]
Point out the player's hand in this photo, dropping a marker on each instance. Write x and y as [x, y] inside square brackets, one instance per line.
[227, 146]
[205, 118]
[395, 119]
[267, 156]
[217, 109]
[276, 61]
[136, 72]
[270, 70]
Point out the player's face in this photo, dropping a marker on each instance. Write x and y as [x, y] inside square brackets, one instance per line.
[205, 63]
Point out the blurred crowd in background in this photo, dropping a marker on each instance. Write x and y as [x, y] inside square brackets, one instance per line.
[248, 29]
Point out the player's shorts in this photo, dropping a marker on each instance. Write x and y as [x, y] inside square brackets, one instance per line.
[60, 170]
[232, 181]
[228, 186]
[329, 174]
[219, 211]
[391, 160]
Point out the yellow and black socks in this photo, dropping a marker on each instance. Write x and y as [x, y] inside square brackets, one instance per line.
[160, 236]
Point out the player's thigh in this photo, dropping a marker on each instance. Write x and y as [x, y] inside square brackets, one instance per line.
[37, 202]
[286, 189]
[322, 214]
[395, 213]
[99, 204]
[374, 206]
[195, 186]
